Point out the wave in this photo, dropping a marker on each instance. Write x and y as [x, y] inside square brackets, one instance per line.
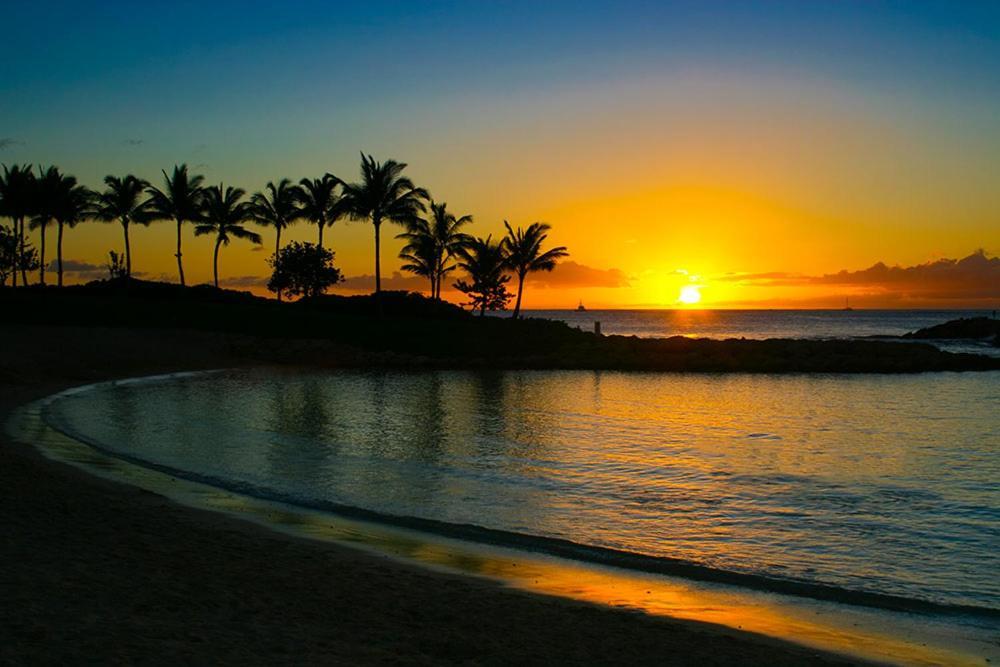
[550, 546]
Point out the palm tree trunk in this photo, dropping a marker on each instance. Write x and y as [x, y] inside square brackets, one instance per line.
[180, 265]
[128, 251]
[24, 273]
[215, 262]
[320, 234]
[59, 274]
[41, 266]
[378, 269]
[277, 242]
[520, 291]
[433, 287]
[17, 256]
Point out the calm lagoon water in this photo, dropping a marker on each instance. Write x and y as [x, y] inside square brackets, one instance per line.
[885, 484]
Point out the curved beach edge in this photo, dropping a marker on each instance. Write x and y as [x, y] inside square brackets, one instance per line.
[550, 546]
[102, 569]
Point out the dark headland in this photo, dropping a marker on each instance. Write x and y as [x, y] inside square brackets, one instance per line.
[416, 332]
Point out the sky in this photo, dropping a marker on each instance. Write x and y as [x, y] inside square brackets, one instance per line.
[759, 154]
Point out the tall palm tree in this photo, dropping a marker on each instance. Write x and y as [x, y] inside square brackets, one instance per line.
[72, 205]
[124, 201]
[524, 254]
[46, 191]
[17, 201]
[319, 202]
[383, 194]
[222, 214]
[485, 263]
[180, 201]
[277, 206]
[434, 241]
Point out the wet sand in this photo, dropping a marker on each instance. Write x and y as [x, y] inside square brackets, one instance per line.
[100, 572]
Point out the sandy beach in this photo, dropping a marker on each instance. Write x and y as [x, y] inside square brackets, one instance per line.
[96, 571]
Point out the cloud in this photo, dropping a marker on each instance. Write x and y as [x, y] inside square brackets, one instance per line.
[75, 266]
[974, 277]
[572, 274]
[243, 281]
[397, 281]
[8, 142]
[133, 142]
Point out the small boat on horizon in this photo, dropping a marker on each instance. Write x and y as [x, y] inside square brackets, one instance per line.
[581, 308]
[847, 304]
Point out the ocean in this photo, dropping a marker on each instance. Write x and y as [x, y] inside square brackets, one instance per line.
[767, 323]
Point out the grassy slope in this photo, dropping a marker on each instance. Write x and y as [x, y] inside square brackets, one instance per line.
[416, 331]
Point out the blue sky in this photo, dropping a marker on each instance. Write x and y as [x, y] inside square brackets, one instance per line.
[869, 129]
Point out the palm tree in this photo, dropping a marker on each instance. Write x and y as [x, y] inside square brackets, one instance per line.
[46, 192]
[17, 201]
[276, 207]
[223, 214]
[383, 194]
[123, 201]
[434, 242]
[524, 254]
[73, 203]
[420, 254]
[485, 263]
[319, 202]
[180, 201]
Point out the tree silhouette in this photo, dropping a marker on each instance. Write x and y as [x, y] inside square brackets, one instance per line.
[320, 203]
[223, 214]
[277, 207]
[17, 202]
[71, 204]
[523, 248]
[302, 269]
[432, 242]
[12, 256]
[486, 264]
[383, 194]
[124, 201]
[46, 193]
[180, 201]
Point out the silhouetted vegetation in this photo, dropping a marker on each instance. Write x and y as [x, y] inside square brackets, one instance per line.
[383, 194]
[524, 254]
[303, 269]
[222, 214]
[436, 241]
[419, 332]
[432, 242]
[486, 264]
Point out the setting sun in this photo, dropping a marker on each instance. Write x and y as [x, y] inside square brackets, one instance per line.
[690, 294]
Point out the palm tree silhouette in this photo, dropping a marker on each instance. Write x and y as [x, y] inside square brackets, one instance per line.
[276, 207]
[46, 192]
[320, 203]
[124, 201]
[180, 201]
[485, 263]
[17, 202]
[383, 194]
[523, 248]
[432, 242]
[71, 204]
[223, 214]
